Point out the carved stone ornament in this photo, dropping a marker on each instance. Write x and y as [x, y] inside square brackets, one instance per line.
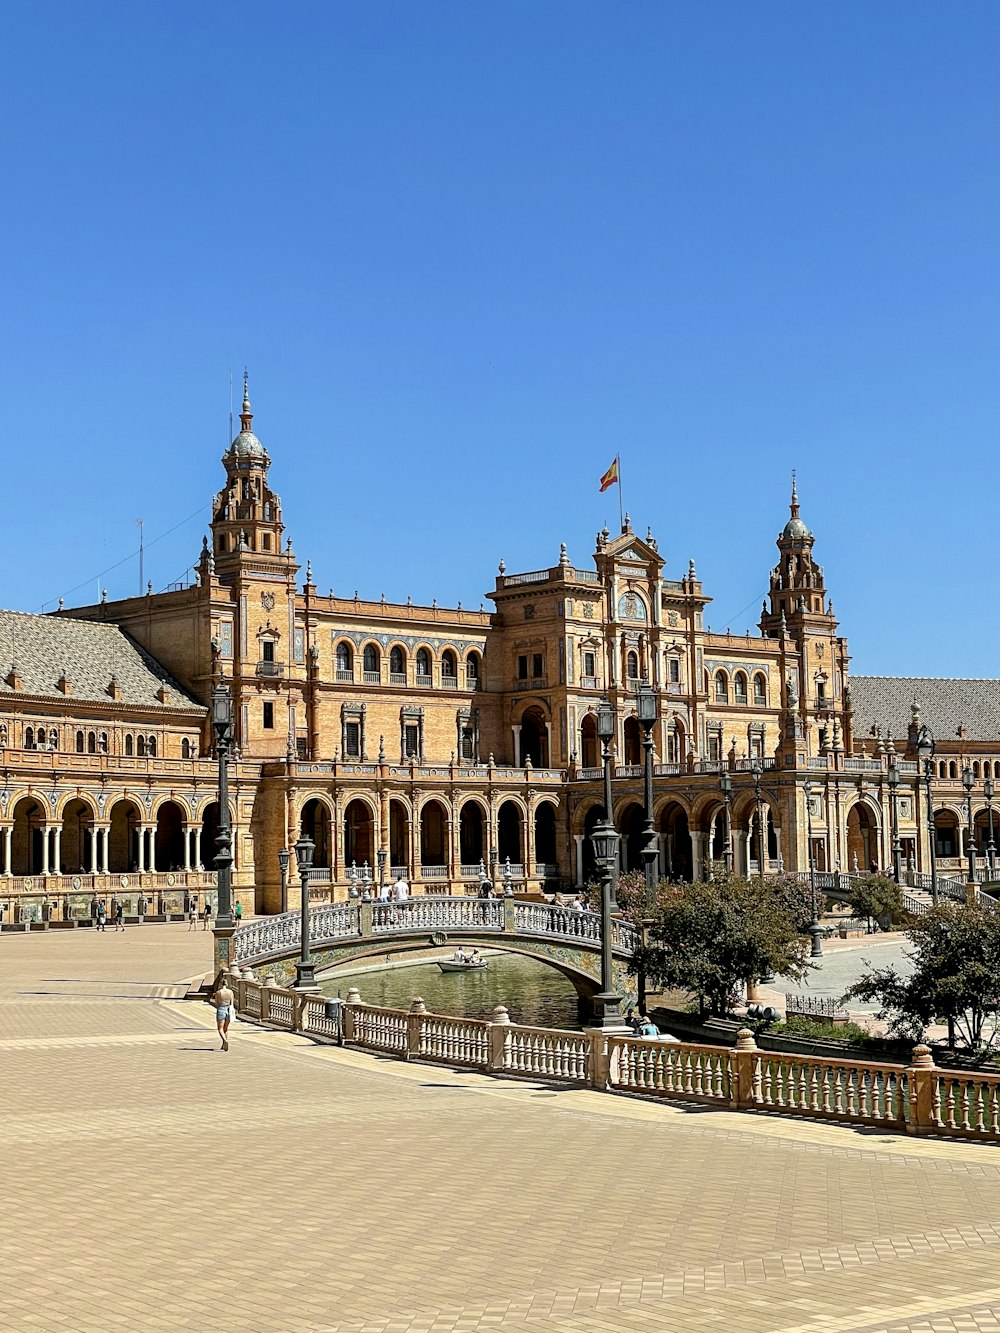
[267, 601]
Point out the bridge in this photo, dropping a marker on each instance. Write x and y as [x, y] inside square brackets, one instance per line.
[562, 937]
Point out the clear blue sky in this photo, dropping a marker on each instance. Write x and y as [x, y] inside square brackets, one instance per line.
[471, 251]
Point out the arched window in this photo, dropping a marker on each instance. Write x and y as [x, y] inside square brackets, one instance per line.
[102, 747]
[449, 665]
[345, 661]
[721, 687]
[632, 665]
[423, 662]
[760, 690]
[371, 662]
[151, 747]
[740, 688]
[91, 742]
[472, 671]
[129, 746]
[29, 738]
[975, 770]
[185, 748]
[79, 742]
[952, 770]
[140, 747]
[397, 665]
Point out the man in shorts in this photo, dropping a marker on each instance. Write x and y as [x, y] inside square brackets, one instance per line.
[223, 999]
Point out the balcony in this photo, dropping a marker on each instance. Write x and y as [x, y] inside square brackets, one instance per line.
[344, 675]
[372, 677]
[397, 677]
[589, 683]
[821, 704]
[270, 668]
[536, 683]
[448, 682]
[471, 680]
[425, 681]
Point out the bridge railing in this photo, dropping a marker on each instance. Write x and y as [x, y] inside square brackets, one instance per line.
[272, 937]
[918, 1098]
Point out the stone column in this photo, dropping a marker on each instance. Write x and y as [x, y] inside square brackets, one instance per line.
[106, 850]
[142, 849]
[529, 843]
[8, 842]
[740, 852]
[550, 759]
[92, 858]
[57, 850]
[578, 839]
[697, 855]
[516, 731]
[186, 830]
[45, 849]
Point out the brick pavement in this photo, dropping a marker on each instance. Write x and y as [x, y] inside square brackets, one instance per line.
[152, 1182]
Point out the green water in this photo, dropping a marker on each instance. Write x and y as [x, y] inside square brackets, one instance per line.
[532, 992]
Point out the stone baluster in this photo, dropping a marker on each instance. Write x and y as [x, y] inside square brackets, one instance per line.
[414, 1023]
[498, 1036]
[922, 1079]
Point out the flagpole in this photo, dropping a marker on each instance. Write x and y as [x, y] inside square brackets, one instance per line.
[621, 507]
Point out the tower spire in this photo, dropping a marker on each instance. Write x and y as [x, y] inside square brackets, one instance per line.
[246, 416]
[794, 506]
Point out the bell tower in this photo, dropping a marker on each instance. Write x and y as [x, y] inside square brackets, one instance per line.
[246, 513]
[798, 592]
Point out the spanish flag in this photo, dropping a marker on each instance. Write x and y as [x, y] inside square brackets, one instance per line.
[610, 477]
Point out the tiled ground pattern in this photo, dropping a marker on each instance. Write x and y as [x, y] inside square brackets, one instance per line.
[152, 1182]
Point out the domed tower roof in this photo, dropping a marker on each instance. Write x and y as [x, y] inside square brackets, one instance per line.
[246, 445]
[795, 528]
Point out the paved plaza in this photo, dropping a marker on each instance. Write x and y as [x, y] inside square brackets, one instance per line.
[153, 1182]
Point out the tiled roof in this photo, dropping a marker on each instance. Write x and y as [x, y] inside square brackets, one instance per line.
[945, 705]
[43, 647]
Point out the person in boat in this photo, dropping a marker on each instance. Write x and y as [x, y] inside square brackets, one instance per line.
[459, 956]
[475, 958]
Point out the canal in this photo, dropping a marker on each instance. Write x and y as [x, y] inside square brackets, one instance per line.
[532, 992]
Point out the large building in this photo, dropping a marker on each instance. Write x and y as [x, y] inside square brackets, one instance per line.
[437, 741]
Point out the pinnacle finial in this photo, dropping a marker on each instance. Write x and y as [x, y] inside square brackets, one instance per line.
[246, 416]
[794, 506]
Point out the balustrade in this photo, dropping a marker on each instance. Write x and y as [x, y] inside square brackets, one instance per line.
[696, 1073]
[546, 1053]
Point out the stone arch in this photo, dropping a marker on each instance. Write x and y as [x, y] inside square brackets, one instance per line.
[760, 689]
[534, 737]
[29, 817]
[371, 662]
[168, 841]
[632, 737]
[125, 818]
[741, 688]
[720, 686]
[423, 660]
[510, 832]
[179, 801]
[631, 823]
[864, 826]
[343, 656]
[473, 669]
[359, 832]
[315, 820]
[399, 832]
[449, 664]
[678, 849]
[397, 661]
[472, 817]
[590, 747]
[546, 848]
[434, 831]
[947, 832]
[78, 816]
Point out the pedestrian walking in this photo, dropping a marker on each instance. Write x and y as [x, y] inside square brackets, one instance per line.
[223, 999]
[207, 916]
[102, 915]
[239, 911]
[192, 914]
[119, 916]
[401, 890]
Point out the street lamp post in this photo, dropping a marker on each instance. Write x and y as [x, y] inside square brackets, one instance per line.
[383, 856]
[968, 782]
[991, 848]
[305, 972]
[925, 751]
[726, 785]
[222, 725]
[605, 733]
[756, 770]
[897, 867]
[815, 929]
[604, 840]
[645, 707]
[284, 856]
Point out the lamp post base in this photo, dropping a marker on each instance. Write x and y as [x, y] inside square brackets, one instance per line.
[816, 947]
[305, 976]
[608, 1012]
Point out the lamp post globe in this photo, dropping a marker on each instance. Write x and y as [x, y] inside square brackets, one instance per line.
[305, 972]
[222, 726]
[284, 857]
[604, 840]
[646, 710]
[606, 727]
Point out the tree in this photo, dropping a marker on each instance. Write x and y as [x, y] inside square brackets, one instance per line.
[956, 962]
[709, 938]
[878, 898]
[796, 894]
[636, 901]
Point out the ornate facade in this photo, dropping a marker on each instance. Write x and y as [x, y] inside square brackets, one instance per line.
[434, 740]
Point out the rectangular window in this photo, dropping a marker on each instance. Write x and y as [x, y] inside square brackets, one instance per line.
[522, 667]
[675, 670]
[352, 739]
[411, 741]
[590, 664]
[267, 541]
[268, 716]
[536, 665]
[715, 747]
[468, 744]
[267, 650]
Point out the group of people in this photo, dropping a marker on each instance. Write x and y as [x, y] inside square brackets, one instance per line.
[467, 956]
[641, 1024]
[394, 893]
[100, 914]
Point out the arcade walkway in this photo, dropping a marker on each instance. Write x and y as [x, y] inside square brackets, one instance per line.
[151, 1182]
